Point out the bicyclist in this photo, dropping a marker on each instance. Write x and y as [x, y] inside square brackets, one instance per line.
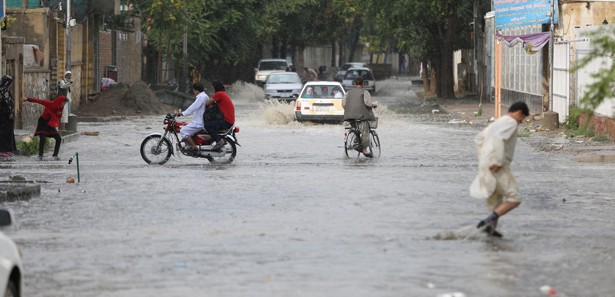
[358, 107]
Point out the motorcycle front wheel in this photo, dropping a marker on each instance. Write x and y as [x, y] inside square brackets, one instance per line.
[156, 150]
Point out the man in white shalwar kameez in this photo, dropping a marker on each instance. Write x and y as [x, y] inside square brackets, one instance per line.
[495, 147]
[196, 109]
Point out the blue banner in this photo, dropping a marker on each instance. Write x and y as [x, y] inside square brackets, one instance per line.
[519, 13]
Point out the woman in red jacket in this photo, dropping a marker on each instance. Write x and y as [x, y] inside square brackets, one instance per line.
[48, 123]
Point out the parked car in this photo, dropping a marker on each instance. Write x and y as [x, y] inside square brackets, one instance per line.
[369, 82]
[10, 260]
[320, 101]
[266, 67]
[283, 86]
[339, 75]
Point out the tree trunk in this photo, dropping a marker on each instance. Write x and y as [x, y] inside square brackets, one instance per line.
[446, 85]
[342, 59]
[333, 53]
[433, 85]
[275, 48]
[546, 74]
[283, 48]
[425, 76]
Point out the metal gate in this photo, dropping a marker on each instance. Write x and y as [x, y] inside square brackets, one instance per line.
[561, 79]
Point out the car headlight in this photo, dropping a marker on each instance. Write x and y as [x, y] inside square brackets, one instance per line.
[297, 91]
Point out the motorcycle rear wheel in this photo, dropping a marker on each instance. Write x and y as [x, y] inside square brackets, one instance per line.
[156, 150]
[231, 151]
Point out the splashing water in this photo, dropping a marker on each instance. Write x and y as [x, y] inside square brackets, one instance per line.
[242, 90]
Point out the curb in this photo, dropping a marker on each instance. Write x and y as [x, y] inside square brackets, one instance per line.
[13, 190]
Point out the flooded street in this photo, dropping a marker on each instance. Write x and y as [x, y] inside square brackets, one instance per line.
[291, 216]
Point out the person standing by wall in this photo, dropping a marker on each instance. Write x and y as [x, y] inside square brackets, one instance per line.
[64, 89]
[48, 123]
[7, 115]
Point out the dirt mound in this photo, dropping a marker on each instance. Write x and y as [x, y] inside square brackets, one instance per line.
[124, 99]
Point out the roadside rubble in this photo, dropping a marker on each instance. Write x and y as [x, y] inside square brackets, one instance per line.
[580, 148]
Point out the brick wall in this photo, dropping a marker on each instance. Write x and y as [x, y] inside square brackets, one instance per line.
[105, 55]
[600, 125]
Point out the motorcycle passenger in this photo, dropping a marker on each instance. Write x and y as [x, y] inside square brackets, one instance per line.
[358, 107]
[196, 109]
[228, 110]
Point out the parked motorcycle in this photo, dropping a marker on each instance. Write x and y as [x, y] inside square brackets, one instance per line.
[157, 148]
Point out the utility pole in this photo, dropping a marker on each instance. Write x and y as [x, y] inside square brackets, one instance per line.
[551, 51]
[68, 41]
[2, 15]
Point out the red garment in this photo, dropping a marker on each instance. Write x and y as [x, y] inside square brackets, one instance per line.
[53, 109]
[226, 106]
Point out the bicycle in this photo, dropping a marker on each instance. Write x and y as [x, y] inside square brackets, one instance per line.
[352, 141]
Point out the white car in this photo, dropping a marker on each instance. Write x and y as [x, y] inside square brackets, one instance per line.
[369, 82]
[283, 86]
[320, 101]
[10, 260]
[266, 67]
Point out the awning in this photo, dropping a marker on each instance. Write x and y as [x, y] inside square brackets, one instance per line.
[532, 43]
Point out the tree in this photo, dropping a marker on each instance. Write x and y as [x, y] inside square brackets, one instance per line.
[430, 31]
[603, 47]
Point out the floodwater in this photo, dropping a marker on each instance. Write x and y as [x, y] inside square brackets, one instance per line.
[291, 216]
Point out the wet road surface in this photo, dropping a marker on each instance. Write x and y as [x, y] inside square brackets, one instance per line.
[291, 216]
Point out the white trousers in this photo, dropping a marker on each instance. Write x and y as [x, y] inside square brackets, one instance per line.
[189, 130]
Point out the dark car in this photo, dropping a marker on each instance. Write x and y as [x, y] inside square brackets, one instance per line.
[339, 76]
[369, 82]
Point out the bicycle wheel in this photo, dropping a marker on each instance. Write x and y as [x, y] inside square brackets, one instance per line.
[374, 143]
[350, 144]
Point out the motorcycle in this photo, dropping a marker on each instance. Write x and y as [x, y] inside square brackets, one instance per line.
[157, 148]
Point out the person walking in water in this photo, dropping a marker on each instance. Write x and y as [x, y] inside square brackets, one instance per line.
[48, 123]
[495, 147]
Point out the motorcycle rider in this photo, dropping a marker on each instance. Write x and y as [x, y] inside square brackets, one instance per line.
[196, 109]
[228, 110]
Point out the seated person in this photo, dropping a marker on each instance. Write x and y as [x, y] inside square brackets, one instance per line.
[324, 92]
[337, 93]
[309, 93]
[228, 110]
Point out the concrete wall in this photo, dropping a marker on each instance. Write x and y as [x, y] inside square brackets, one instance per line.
[33, 25]
[576, 19]
[38, 87]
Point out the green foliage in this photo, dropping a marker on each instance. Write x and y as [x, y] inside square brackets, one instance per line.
[601, 138]
[572, 121]
[583, 130]
[603, 46]
[524, 134]
[29, 146]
